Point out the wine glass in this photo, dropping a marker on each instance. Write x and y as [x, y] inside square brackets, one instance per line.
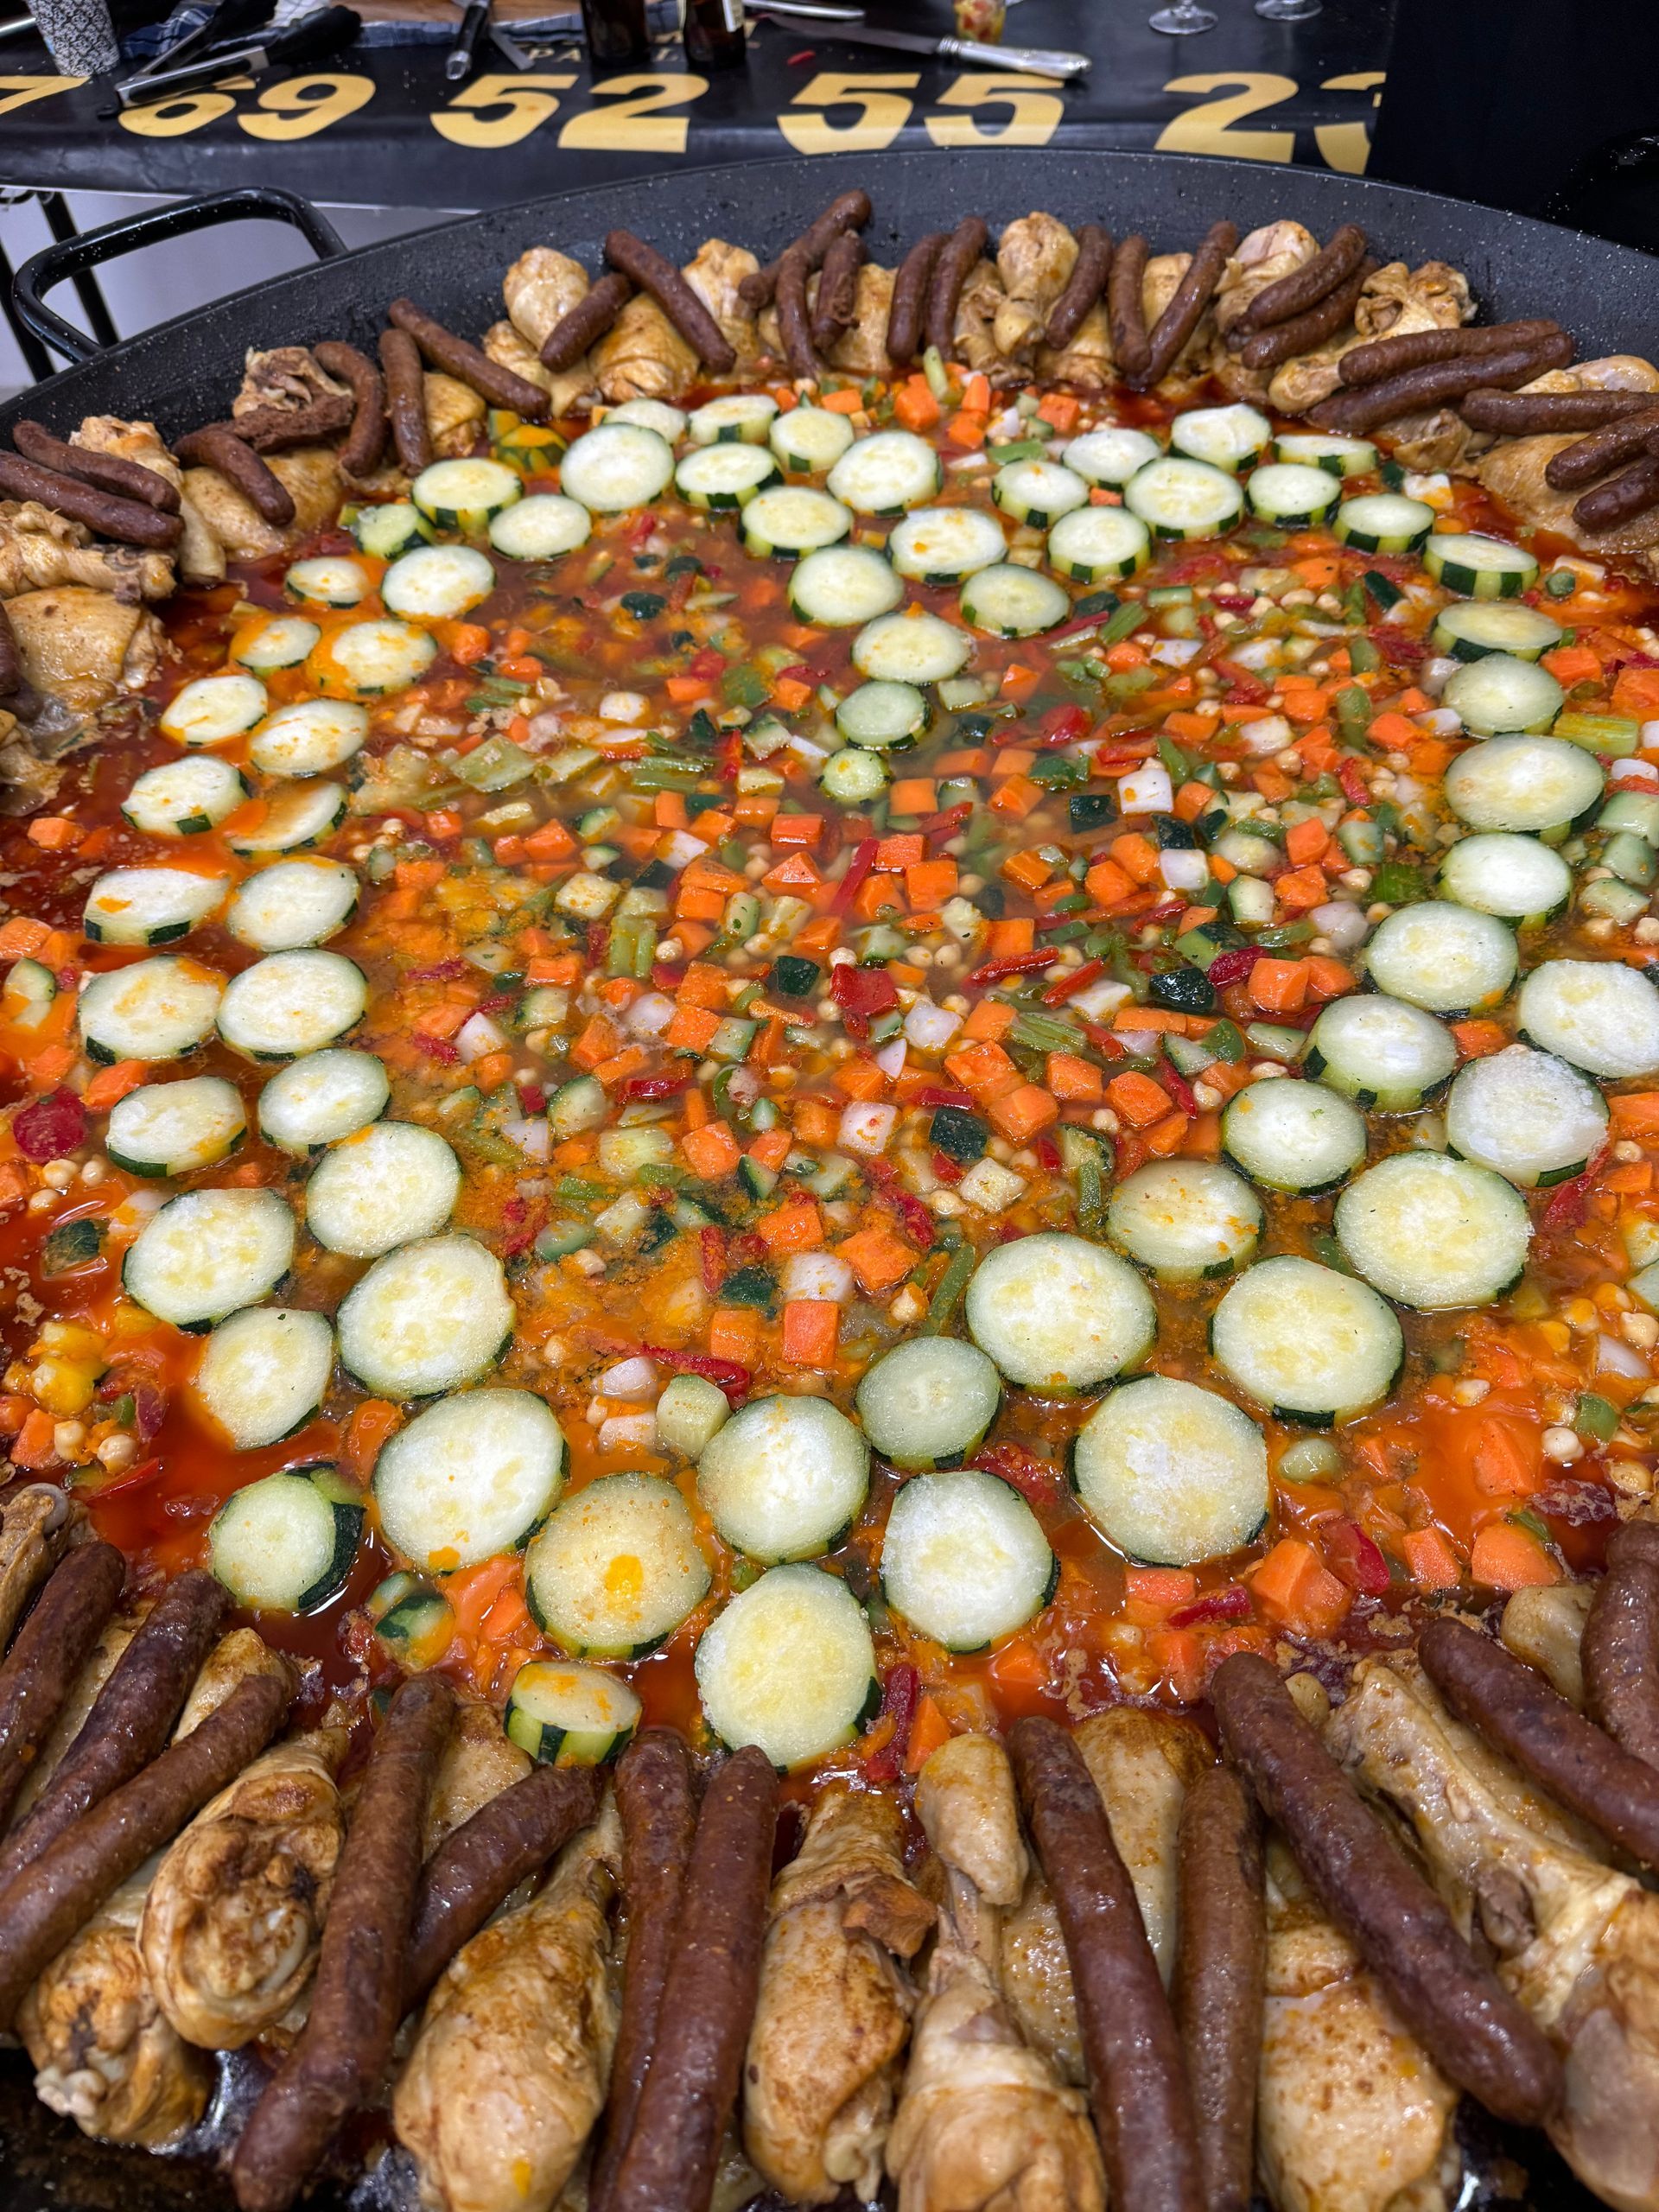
[1288, 11]
[1182, 19]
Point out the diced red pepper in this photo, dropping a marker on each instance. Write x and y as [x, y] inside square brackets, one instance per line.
[532, 1099]
[1355, 1557]
[442, 971]
[901, 1693]
[1056, 994]
[1048, 1153]
[946, 824]
[436, 1048]
[946, 1169]
[725, 1374]
[1233, 967]
[1016, 963]
[1232, 1604]
[1354, 788]
[47, 1127]
[938, 1094]
[711, 1257]
[1246, 686]
[1179, 1089]
[1061, 726]
[706, 665]
[655, 1086]
[728, 755]
[862, 990]
[528, 1226]
[1567, 1203]
[1033, 1477]
[858, 868]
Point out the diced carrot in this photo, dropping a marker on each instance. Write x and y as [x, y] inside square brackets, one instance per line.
[811, 1327]
[967, 427]
[370, 1424]
[1028, 869]
[990, 1018]
[1305, 841]
[1571, 665]
[928, 1731]
[695, 903]
[1012, 938]
[814, 1120]
[1106, 883]
[1301, 889]
[691, 1030]
[1023, 1112]
[683, 690]
[492, 1070]
[1168, 1136]
[1060, 410]
[1125, 655]
[914, 406]
[1016, 797]
[1508, 1457]
[878, 1257]
[630, 1061]
[795, 1226]
[797, 873]
[1505, 1557]
[1476, 1038]
[1636, 1115]
[1316, 570]
[468, 642]
[1192, 800]
[734, 1333]
[1158, 1021]
[847, 402]
[913, 795]
[1019, 1665]
[1293, 1587]
[1166, 1586]
[1327, 978]
[1277, 986]
[54, 833]
[984, 1069]
[472, 1592]
[1071, 1079]
[790, 693]
[552, 841]
[1629, 1181]
[598, 1041]
[1433, 1562]
[860, 1077]
[1011, 761]
[1137, 856]
[711, 1152]
[1137, 1098]
[32, 1446]
[110, 1084]
[797, 829]
[1177, 1655]
[1272, 783]
[1637, 693]
[1394, 733]
[22, 936]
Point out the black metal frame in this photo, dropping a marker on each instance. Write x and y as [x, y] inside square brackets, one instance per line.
[61, 224]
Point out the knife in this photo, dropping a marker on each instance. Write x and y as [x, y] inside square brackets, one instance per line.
[313, 38]
[1038, 60]
[463, 58]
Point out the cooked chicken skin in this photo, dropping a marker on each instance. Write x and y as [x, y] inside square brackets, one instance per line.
[83, 646]
[1515, 469]
[1263, 257]
[1035, 255]
[511, 2066]
[37, 1524]
[1393, 301]
[965, 1800]
[282, 376]
[821, 2074]
[1544, 1625]
[235, 1659]
[1203, 349]
[1087, 361]
[714, 272]
[200, 555]
[314, 482]
[480, 1761]
[39, 550]
[642, 356]
[861, 348]
[982, 299]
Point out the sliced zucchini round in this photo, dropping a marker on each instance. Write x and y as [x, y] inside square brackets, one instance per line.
[1058, 1313]
[183, 797]
[1111, 457]
[390, 528]
[1431, 1231]
[1518, 878]
[1009, 601]
[1470, 628]
[1225, 437]
[1498, 695]
[322, 1098]
[470, 1478]
[292, 1002]
[293, 814]
[565, 1715]
[1533, 785]
[809, 439]
[150, 906]
[292, 904]
[840, 586]
[327, 580]
[853, 777]
[617, 1568]
[438, 583]
[1526, 1115]
[886, 473]
[1595, 1014]
[942, 545]
[791, 519]
[741, 417]
[1291, 494]
[213, 709]
[175, 1128]
[789, 1666]
[309, 737]
[1092, 544]
[726, 475]
[783, 1478]
[1381, 1052]
[616, 466]
[964, 1560]
[1294, 1136]
[926, 1403]
[368, 659]
[541, 527]
[657, 415]
[1184, 499]
[208, 1253]
[264, 1373]
[155, 1010]
[1310, 1344]
[1172, 1474]
[1444, 958]
[1383, 522]
[389, 1183]
[1319, 449]
[1186, 1220]
[879, 716]
[426, 1318]
[467, 494]
[913, 648]
[1038, 492]
[1480, 567]
[280, 641]
[285, 1544]
[412, 1622]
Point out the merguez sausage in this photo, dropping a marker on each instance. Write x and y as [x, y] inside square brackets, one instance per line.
[652, 272]
[1221, 1979]
[128, 479]
[366, 440]
[1620, 1648]
[1303, 288]
[1621, 498]
[484, 1860]
[850, 212]
[837, 299]
[1610, 446]
[1286, 342]
[1470, 2024]
[132, 522]
[400, 359]
[215, 447]
[587, 321]
[1443, 382]
[656, 1800]
[794, 323]
[1125, 309]
[1083, 287]
[909, 303]
[1142, 2110]
[51, 1900]
[950, 272]
[130, 1719]
[1521, 414]
[670, 2161]
[41, 1668]
[1191, 295]
[1421, 349]
[277, 430]
[468, 363]
[357, 1997]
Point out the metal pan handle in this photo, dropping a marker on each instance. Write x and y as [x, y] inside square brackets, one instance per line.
[68, 257]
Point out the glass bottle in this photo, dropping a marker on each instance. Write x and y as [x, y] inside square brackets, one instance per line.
[616, 34]
[714, 33]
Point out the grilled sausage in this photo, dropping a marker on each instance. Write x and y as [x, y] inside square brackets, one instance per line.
[794, 323]
[128, 479]
[483, 1861]
[468, 364]
[17, 694]
[357, 1997]
[1523, 414]
[1221, 1979]
[950, 272]
[1621, 498]
[1414, 390]
[367, 439]
[277, 429]
[837, 299]
[1082, 288]
[1620, 1648]
[654, 273]
[1142, 2109]
[218, 446]
[1288, 342]
[51, 1900]
[1125, 310]
[850, 212]
[671, 2157]
[656, 1800]
[1513, 1706]
[1303, 288]
[587, 321]
[1613, 445]
[130, 1718]
[1187, 302]
[132, 522]
[41, 1668]
[400, 361]
[1421, 349]
[1470, 2024]
[908, 307]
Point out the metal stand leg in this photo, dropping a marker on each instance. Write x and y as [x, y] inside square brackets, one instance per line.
[38, 361]
[61, 224]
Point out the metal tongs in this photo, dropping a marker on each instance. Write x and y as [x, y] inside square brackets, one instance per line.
[313, 37]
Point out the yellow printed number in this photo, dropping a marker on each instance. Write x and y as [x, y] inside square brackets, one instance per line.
[300, 107]
[1347, 146]
[638, 121]
[190, 111]
[882, 113]
[1208, 128]
[522, 104]
[1034, 111]
[18, 91]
